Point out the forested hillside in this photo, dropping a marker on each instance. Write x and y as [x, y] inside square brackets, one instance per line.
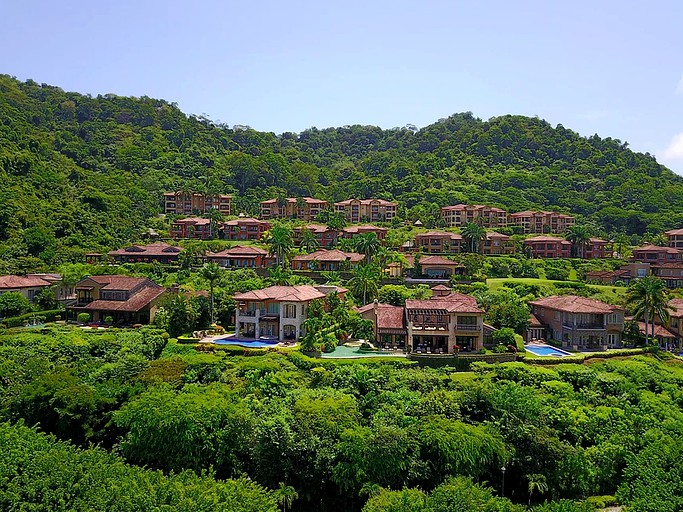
[80, 172]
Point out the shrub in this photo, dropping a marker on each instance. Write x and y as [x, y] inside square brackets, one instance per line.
[108, 319]
[83, 317]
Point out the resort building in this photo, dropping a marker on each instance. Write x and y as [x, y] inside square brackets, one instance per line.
[444, 324]
[671, 273]
[439, 242]
[191, 227]
[352, 231]
[325, 236]
[277, 312]
[676, 318]
[579, 323]
[541, 221]
[497, 243]
[388, 324]
[128, 300]
[158, 251]
[28, 286]
[675, 238]
[189, 203]
[323, 259]
[548, 247]
[303, 208]
[244, 228]
[597, 248]
[657, 255]
[487, 216]
[366, 210]
[241, 257]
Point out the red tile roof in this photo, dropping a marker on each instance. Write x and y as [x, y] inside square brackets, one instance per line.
[674, 232]
[453, 303]
[301, 293]
[243, 251]
[140, 300]
[307, 200]
[574, 304]
[490, 235]
[460, 207]
[656, 248]
[439, 234]
[388, 316]
[534, 321]
[364, 229]
[381, 202]
[245, 221]
[438, 260]
[17, 282]
[331, 255]
[545, 238]
[441, 287]
[155, 249]
[677, 305]
[660, 331]
[195, 221]
[114, 282]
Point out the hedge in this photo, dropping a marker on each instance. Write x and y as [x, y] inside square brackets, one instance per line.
[20, 321]
[580, 358]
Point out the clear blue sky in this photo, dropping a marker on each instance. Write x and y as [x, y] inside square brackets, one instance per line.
[614, 68]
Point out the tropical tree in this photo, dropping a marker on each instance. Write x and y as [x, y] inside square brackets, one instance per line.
[212, 273]
[648, 298]
[537, 484]
[309, 243]
[365, 282]
[579, 236]
[279, 240]
[215, 217]
[473, 234]
[367, 244]
[285, 495]
[279, 276]
[335, 222]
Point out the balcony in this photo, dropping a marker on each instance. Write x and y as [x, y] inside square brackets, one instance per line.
[468, 327]
[584, 327]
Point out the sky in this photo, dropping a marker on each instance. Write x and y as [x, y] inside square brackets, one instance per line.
[614, 68]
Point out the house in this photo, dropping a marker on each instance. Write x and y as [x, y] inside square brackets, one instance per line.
[191, 227]
[608, 276]
[536, 329]
[597, 248]
[671, 273]
[325, 236]
[548, 247]
[388, 324]
[327, 260]
[666, 339]
[29, 286]
[158, 251]
[277, 312]
[439, 242]
[128, 300]
[185, 202]
[676, 318]
[675, 238]
[444, 324]
[497, 243]
[366, 210]
[580, 323]
[304, 208]
[656, 255]
[432, 266]
[461, 214]
[352, 231]
[244, 228]
[241, 257]
[541, 221]
[63, 292]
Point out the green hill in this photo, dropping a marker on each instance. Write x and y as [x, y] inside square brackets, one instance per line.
[81, 172]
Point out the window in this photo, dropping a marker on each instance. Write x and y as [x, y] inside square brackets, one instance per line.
[613, 318]
[612, 339]
[290, 311]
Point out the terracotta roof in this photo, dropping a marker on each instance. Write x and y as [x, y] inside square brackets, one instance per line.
[155, 249]
[534, 321]
[315, 228]
[441, 287]
[439, 234]
[660, 331]
[138, 301]
[16, 282]
[677, 305]
[545, 238]
[607, 273]
[461, 207]
[674, 232]
[301, 293]
[114, 282]
[574, 304]
[194, 221]
[364, 229]
[453, 303]
[243, 251]
[382, 202]
[245, 221]
[656, 248]
[307, 200]
[598, 241]
[669, 265]
[331, 255]
[490, 235]
[438, 260]
[528, 213]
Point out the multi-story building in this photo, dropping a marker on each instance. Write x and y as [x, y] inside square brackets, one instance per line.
[158, 251]
[244, 228]
[352, 231]
[366, 210]
[241, 257]
[188, 203]
[597, 248]
[191, 227]
[28, 286]
[461, 214]
[324, 235]
[388, 324]
[439, 242]
[580, 323]
[671, 273]
[444, 324]
[675, 238]
[548, 247]
[657, 255]
[497, 243]
[303, 208]
[541, 221]
[277, 312]
[128, 300]
[327, 260]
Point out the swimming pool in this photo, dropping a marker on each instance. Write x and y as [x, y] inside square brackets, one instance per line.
[546, 350]
[245, 343]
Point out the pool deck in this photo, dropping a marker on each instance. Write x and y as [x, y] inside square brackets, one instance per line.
[562, 352]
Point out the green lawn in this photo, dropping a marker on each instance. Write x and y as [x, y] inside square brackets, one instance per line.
[615, 293]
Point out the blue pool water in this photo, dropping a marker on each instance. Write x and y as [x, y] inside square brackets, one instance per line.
[546, 350]
[245, 343]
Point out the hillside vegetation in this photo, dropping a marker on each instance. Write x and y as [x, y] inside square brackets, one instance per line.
[82, 172]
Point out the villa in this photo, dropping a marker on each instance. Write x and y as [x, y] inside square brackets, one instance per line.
[675, 238]
[461, 214]
[28, 286]
[541, 221]
[548, 247]
[244, 228]
[497, 243]
[656, 255]
[277, 311]
[578, 323]
[241, 257]
[325, 236]
[366, 210]
[327, 260]
[439, 242]
[388, 323]
[191, 227]
[352, 231]
[158, 251]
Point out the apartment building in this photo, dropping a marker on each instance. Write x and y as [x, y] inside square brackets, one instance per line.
[533, 222]
[366, 210]
[497, 243]
[241, 257]
[187, 203]
[656, 255]
[548, 247]
[244, 228]
[675, 238]
[460, 214]
[303, 208]
[439, 242]
[191, 227]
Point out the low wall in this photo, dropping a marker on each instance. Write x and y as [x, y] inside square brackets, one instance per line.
[459, 361]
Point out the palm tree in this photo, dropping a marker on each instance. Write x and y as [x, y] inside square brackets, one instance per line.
[280, 277]
[579, 236]
[537, 483]
[365, 282]
[648, 297]
[285, 495]
[212, 273]
[309, 243]
[215, 217]
[335, 222]
[367, 244]
[279, 238]
[474, 234]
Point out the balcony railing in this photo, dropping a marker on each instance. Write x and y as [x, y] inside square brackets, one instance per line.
[590, 326]
[468, 327]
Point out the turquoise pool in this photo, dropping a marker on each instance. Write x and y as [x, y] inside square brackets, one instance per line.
[245, 343]
[344, 352]
[546, 350]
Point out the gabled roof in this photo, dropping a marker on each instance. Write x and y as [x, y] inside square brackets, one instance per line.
[534, 321]
[453, 303]
[546, 238]
[155, 249]
[139, 300]
[441, 288]
[656, 248]
[660, 331]
[677, 308]
[301, 293]
[575, 304]
[243, 251]
[491, 235]
[245, 221]
[200, 221]
[439, 234]
[438, 260]
[115, 282]
[307, 200]
[12, 282]
[364, 229]
[331, 255]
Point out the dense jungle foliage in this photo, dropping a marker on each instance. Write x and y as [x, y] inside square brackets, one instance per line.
[153, 425]
[82, 172]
